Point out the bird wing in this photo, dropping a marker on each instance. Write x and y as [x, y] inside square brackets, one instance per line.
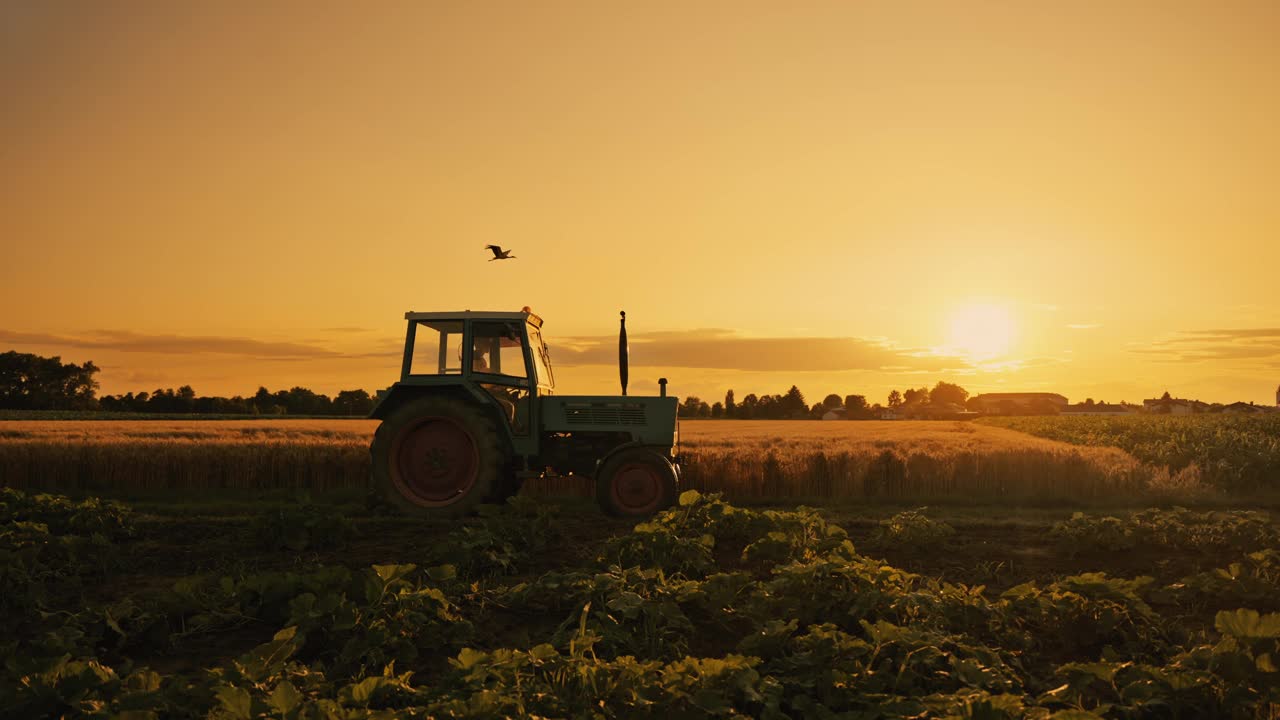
[497, 251]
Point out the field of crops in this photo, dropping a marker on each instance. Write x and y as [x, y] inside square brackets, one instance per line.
[1226, 452]
[743, 459]
[545, 609]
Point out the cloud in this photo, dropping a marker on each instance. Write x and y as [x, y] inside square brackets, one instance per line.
[721, 349]
[1217, 344]
[1186, 336]
[1084, 326]
[128, 341]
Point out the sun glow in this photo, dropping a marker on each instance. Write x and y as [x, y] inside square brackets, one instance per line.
[981, 331]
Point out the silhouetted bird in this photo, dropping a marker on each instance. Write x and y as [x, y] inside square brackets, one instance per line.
[499, 253]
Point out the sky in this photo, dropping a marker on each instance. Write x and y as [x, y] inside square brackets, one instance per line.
[851, 197]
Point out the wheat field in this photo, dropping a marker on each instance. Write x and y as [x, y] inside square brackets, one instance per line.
[744, 459]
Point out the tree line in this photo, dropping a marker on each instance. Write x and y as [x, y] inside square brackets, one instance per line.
[32, 382]
[792, 404]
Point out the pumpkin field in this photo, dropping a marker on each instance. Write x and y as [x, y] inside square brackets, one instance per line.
[234, 569]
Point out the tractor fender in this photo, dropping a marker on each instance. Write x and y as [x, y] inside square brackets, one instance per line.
[397, 395]
[636, 444]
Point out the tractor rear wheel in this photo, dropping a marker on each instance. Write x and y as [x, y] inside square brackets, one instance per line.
[636, 482]
[438, 455]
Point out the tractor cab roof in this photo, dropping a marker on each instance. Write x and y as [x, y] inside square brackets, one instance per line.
[520, 315]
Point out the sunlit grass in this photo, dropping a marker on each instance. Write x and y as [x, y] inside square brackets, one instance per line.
[744, 459]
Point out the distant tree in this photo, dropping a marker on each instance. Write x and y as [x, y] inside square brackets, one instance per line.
[1166, 396]
[895, 399]
[793, 404]
[768, 408]
[689, 408]
[352, 402]
[749, 407]
[1088, 402]
[945, 392]
[185, 399]
[32, 382]
[855, 406]
[913, 396]
[817, 411]
[832, 401]
[717, 410]
[730, 407]
[263, 401]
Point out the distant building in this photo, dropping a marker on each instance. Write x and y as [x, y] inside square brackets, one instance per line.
[1244, 408]
[1099, 409]
[1173, 406]
[835, 414]
[1018, 403]
[928, 411]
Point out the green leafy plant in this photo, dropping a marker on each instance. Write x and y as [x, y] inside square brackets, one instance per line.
[912, 529]
[302, 527]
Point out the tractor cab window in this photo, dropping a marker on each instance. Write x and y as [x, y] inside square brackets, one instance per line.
[497, 348]
[541, 360]
[437, 347]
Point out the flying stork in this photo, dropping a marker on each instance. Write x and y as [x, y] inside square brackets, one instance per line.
[499, 253]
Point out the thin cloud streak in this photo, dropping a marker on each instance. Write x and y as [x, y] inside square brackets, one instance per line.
[1217, 344]
[128, 341]
[721, 349]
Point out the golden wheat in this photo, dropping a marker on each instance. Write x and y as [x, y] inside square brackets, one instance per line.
[744, 459]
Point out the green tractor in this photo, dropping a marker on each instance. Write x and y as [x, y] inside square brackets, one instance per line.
[474, 415]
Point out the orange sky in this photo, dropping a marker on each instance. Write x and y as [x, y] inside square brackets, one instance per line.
[840, 195]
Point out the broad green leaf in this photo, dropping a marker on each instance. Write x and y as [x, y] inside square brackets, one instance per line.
[689, 497]
[441, 573]
[285, 697]
[364, 690]
[469, 658]
[1246, 623]
[544, 651]
[235, 701]
[143, 680]
[392, 573]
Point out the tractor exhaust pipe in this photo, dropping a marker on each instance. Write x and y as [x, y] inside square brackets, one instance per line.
[622, 352]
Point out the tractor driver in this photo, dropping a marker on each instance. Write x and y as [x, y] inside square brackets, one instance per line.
[478, 363]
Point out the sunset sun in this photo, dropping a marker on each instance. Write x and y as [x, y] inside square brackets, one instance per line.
[982, 331]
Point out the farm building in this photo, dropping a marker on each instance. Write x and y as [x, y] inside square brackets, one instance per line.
[835, 414]
[1099, 409]
[1018, 403]
[1174, 406]
[928, 411]
[1244, 408]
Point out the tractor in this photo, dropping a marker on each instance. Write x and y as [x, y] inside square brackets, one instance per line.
[475, 414]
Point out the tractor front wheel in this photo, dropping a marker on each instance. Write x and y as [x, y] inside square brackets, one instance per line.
[438, 455]
[636, 482]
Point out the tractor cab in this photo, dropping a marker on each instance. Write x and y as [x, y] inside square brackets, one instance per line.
[474, 414]
[498, 353]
